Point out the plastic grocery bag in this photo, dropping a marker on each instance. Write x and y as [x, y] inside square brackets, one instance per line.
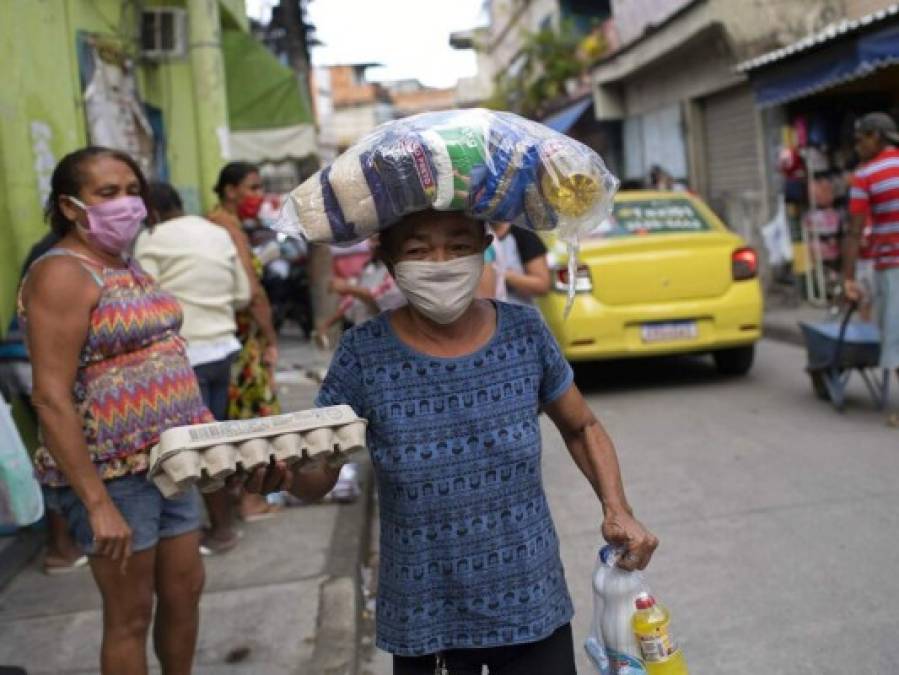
[21, 503]
[776, 235]
[494, 166]
[611, 644]
[594, 644]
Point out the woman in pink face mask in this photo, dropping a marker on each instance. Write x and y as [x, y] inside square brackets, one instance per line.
[239, 189]
[111, 374]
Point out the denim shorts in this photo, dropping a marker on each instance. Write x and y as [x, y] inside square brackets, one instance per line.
[150, 516]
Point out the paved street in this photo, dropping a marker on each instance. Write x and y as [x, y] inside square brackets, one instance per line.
[281, 603]
[777, 515]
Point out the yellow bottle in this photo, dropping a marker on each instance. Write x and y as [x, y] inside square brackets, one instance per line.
[661, 655]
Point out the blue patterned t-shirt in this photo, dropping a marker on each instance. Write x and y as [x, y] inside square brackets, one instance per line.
[469, 556]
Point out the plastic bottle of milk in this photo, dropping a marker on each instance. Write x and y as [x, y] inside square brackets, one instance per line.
[594, 644]
[617, 591]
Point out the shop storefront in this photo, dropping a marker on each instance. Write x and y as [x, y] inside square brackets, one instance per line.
[684, 109]
[810, 94]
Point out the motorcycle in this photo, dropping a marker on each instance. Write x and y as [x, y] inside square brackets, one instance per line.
[284, 277]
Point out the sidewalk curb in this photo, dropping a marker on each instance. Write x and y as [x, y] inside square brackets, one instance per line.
[339, 633]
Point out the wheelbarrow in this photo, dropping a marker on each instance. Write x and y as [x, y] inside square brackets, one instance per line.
[835, 350]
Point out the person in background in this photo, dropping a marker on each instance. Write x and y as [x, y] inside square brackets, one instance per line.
[197, 262]
[875, 194]
[864, 275]
[452, 388]
[110, 375]
[659, 179]
[493, 281]
[521, 263]
[252, 393]
[347, 262]
[373, 292]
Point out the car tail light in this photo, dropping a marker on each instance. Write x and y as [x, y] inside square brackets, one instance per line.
[582, 282]
[744, 264]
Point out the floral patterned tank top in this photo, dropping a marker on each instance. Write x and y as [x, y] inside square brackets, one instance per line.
[134, 380]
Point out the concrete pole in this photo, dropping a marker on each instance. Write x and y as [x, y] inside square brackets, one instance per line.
[209, 93]
[318, 265]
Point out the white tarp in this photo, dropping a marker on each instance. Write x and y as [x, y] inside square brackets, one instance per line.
[273, 145]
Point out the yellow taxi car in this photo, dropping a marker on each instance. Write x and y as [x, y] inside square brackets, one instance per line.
[662, 275]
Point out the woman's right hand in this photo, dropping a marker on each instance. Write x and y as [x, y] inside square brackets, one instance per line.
[112, 535]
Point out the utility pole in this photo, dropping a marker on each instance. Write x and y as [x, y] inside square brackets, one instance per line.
[297, 51]
[318, 264]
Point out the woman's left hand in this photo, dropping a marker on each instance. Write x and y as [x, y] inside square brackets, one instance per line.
[270, 356]
[621, 529]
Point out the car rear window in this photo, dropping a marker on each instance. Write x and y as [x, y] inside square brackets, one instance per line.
[652, 216]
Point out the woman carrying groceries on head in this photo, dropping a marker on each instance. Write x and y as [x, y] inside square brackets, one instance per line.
[111, 374]
[452, 388]
[240, 193]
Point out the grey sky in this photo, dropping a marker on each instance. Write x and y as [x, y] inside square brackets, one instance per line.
[410, 37]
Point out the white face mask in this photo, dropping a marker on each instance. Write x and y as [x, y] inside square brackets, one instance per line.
[441, 291]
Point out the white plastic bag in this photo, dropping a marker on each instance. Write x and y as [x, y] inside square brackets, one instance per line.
[493, 166]
[21, 502]
[776, 235]
[594, 644]
[612, 644]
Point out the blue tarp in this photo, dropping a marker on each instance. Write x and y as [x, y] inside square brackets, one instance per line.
[835, 64]
[563, 120]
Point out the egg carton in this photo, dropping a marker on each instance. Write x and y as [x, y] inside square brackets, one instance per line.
[206, 454]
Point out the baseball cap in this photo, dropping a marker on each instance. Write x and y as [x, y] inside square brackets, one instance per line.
[879, 122]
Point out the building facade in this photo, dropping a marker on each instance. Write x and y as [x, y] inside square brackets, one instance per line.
[347, 106]
[410, 97]
[113, 73]
[685, 107]
[809, 94]
[501, 44]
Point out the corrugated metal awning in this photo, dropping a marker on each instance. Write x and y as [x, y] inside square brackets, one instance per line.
[829, 34]
[830, 66]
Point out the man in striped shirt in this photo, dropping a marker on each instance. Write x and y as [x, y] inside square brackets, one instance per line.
[875, 194]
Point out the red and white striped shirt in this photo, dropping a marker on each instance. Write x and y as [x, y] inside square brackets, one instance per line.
[875, 192]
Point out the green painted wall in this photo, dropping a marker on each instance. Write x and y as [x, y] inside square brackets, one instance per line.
[42, 112]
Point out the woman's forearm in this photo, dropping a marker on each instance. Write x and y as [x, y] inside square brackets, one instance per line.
[63, 436]
[593, 452]
[527, 284]
[261, 311]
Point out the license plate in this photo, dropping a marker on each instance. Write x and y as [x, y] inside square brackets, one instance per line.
[669, 332]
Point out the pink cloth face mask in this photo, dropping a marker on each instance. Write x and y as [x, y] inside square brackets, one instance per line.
[114, 224]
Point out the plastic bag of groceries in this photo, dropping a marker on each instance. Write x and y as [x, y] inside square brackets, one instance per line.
[494, 166]
[21, 502]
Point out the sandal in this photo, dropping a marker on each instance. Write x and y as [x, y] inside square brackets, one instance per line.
[321, 340]
[893, 420]
[270, 511]
[54, 565]
[212, 546]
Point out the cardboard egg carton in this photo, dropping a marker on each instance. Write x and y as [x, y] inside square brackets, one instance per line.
[206, 454]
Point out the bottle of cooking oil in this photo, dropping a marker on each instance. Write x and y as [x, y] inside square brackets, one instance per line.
[661, 655]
